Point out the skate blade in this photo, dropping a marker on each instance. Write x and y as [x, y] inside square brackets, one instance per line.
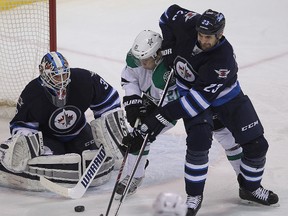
[252, 203]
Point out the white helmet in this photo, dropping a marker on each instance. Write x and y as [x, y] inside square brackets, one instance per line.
[146, 44]
[169, 204]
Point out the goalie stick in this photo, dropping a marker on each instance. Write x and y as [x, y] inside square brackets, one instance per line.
[144, 144]
[80, 188]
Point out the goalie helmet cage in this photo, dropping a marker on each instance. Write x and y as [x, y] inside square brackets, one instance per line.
[27, 33]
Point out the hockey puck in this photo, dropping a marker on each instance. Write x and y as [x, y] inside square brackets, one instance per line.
[79, 208]
[101, 214]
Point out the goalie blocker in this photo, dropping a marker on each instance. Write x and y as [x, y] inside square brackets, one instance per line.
[66, 169]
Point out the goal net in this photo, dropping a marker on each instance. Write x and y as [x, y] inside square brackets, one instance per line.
[27, 32]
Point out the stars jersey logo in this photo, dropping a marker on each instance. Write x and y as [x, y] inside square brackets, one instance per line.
[64, 119]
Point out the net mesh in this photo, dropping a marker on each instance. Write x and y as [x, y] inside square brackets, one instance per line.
[24, 39]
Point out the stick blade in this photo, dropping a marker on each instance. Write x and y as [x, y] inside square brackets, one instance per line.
[54, 187]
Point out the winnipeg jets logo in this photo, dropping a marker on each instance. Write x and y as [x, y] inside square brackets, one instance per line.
[222, 73]
[64, 119]
[184, 69]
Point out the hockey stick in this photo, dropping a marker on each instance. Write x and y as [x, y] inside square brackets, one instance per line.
[83, 184]
[144, 144]
[119, 174]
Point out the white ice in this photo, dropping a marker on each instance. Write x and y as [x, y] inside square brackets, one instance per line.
[96, 35]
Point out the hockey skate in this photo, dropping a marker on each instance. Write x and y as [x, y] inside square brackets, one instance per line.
[260, 196]
[136, 182]
[193, 204]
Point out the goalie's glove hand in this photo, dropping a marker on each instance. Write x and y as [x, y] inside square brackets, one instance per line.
[134, 108]
[154, 123]
[133, 141]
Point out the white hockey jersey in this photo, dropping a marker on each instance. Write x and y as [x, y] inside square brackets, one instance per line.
[136, 80]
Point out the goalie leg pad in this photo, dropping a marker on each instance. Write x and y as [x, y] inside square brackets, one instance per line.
[105, 171]
[64, 169]
[20, 181]
[19, 149]
[57, 168]
[109, 130]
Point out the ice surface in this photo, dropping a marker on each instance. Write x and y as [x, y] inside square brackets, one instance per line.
[97, 34]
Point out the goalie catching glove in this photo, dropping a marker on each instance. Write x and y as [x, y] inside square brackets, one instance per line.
[152, 125]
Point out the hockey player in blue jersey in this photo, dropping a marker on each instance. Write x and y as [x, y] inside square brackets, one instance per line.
[206, 73]
[145, 74]
[50, 133]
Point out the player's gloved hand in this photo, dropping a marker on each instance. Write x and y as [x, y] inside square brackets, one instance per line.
[150, 105]
[154, 123]
[134, 108]
[133, 141]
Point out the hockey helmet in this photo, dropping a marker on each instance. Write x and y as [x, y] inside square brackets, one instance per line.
[211, 23]
[146, 45]
[169, 204]
[54, 71]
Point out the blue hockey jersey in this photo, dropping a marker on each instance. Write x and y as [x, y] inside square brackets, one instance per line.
[204, 78]
[86, 90]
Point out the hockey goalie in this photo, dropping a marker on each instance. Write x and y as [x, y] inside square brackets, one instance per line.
[50, 135]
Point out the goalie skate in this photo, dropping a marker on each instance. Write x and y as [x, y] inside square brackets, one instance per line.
[136, 182]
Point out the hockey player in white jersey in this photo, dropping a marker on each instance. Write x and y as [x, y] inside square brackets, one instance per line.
[145, 74]
[50, 135]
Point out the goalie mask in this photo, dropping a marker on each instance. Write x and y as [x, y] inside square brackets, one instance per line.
[146, 45]
[55, 75]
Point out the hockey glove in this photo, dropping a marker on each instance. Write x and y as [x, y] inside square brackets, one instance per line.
[134, 108]
[155, 123]
[149, 104]
[133, 141]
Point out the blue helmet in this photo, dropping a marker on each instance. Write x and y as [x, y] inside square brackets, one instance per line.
[211, 23]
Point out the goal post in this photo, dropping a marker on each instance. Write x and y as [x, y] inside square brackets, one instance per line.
[27, 32]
